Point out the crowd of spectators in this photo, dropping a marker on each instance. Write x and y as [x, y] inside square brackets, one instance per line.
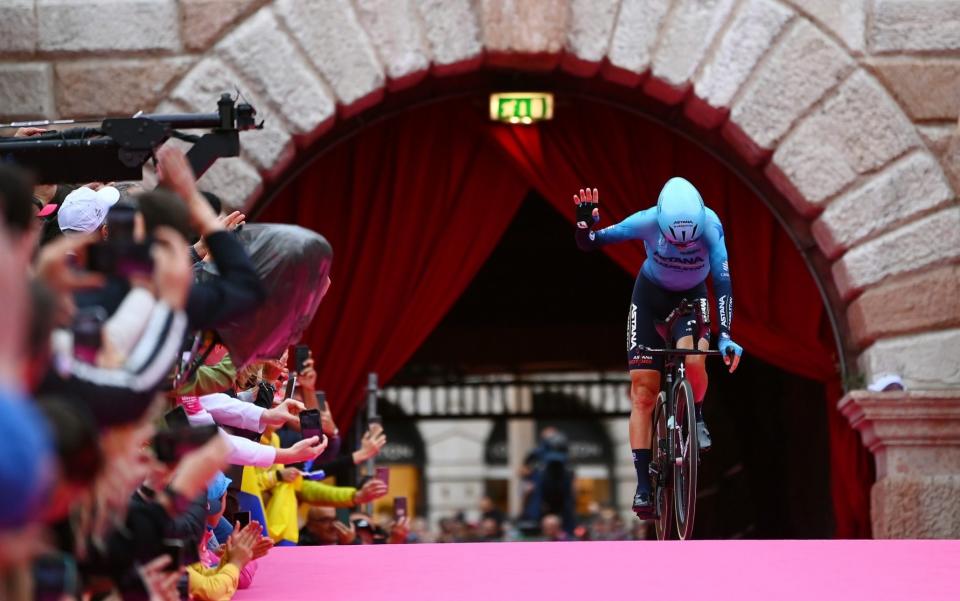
[129, 467]
[601, 523]
[138, 460]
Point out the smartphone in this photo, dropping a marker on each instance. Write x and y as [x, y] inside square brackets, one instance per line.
[321, 397]
[291, 384]
[243, 517]
[120, 259]
[120, 254]
[120, 224]
[310, 423]
[383, 475]
[54, 576]
[265, 394]
[399, 507]
[176, 418]
[87, 333]
[170, 446]
[301, 353]
[173, 548]
[375, 419]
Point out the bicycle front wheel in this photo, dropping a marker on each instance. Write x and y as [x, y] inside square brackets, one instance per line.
[661, 471]
[686, 451]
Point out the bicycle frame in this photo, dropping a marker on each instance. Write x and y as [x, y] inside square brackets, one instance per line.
[665, 462]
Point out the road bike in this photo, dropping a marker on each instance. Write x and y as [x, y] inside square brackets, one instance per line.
[675, 448]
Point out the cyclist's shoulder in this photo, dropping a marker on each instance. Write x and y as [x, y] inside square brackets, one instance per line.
[713, 225]
[648, 214]
[712, 217]
[643, 219]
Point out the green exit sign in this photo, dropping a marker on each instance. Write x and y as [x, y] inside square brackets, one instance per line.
[521, 107]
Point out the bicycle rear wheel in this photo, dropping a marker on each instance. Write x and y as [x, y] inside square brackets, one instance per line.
[661, 469]
[686, 452]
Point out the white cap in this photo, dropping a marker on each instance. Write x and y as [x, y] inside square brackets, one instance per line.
[85, 210]
[886, 382]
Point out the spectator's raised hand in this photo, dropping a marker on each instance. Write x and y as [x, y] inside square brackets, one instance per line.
[13, 281]
[44, 192]
[262, 547]
[307, 379]
[345, 534]
[229, 222]
[327, 424]
[161, 584]
[373, 440]
[232, 221]
[284, 413]
[172, 274]
[56, 265]
[175, 173]
[399, 531]
[370, 491]
[240, 546]
[198, 467]
[29, 132]
[306, 449]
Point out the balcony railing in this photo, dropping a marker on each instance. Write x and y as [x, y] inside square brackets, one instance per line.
[546, 395]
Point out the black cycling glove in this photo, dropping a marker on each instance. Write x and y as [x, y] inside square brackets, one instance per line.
[585, 214]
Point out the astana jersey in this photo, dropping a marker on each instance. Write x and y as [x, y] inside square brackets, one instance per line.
[671, 267]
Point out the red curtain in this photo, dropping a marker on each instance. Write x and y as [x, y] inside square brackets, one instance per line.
[778, 313]
[414, 206]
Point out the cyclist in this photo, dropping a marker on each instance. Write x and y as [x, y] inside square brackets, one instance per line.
[683, 240]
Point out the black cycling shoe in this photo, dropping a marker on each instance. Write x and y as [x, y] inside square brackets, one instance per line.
[703, 437]
[643, 505]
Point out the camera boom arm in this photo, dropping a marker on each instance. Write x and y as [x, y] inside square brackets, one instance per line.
[118, 148]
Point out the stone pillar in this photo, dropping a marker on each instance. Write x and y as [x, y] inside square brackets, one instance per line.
[455, 470]
[624, 474]
[915, 439]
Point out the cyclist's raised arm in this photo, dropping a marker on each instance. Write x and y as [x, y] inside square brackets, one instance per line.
[638, 226]
[720, 271]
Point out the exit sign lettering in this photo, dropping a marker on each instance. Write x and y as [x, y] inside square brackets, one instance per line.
[521, 107]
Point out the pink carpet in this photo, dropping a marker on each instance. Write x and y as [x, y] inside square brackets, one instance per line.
[615, 571]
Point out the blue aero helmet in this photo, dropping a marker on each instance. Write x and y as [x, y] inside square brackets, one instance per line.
[680, 212]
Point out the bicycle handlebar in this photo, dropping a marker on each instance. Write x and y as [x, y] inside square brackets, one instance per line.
[683, 352]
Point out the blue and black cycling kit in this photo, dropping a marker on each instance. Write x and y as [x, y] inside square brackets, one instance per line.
[670, 273]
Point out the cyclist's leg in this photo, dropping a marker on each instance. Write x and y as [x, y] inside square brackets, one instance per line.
[644, 377]
[696, 366]
[644, 387]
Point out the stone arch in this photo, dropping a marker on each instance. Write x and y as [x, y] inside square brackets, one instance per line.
[783, 90]
[807, 91]
[820, 95]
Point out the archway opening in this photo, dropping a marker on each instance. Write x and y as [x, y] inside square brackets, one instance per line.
[770, 475]
[364, 185]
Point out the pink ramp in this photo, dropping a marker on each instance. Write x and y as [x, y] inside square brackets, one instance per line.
[615, 571]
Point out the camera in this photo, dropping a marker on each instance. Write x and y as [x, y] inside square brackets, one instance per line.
[265, 394]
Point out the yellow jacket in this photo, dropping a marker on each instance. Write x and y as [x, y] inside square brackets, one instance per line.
[212, 584]
[315, 493]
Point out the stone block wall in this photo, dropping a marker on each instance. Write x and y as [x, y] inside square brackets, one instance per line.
[850, 107]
